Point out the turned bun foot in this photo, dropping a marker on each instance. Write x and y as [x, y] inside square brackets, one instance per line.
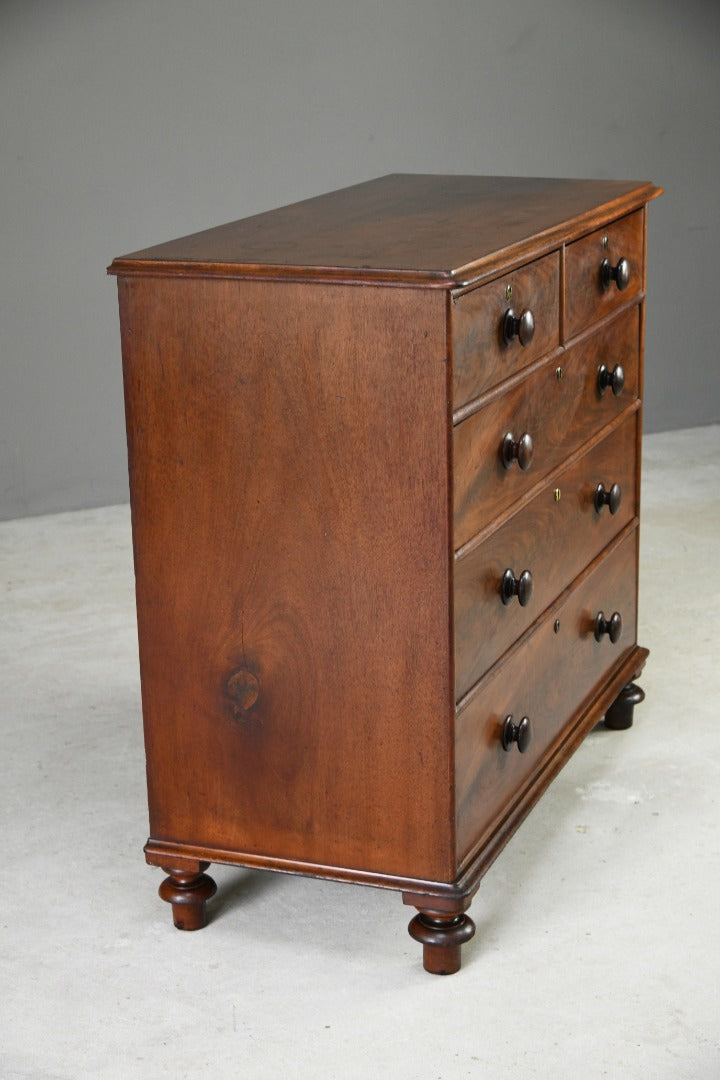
[187, 890]
[441, 937]
[619, 716]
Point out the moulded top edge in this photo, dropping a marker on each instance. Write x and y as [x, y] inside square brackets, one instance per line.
[405, 229]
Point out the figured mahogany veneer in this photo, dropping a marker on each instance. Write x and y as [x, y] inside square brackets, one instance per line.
[290, 518]
[481, 355]
[539, 679]
[561, 517]
[586, 299]
[317, 401]
[559, 409]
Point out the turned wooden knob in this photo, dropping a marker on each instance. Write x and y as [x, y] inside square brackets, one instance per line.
[520, 451]
[614, 379]
[612, 626]
[620, 274]
[610, 498]
[516, 733]
[520, 326]
[521, 587]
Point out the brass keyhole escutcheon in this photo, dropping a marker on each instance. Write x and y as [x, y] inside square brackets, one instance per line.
[508, 292]
[243, 689]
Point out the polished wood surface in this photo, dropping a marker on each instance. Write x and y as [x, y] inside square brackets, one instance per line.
[441, 937]
[559, 414]
[543, 679]
[586, 299]
[291, 531]
[187, 889]
[316, 401]
[481, 356]
[552, 537]
[412, 228]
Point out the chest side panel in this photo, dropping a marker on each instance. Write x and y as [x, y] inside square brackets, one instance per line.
[288, 466]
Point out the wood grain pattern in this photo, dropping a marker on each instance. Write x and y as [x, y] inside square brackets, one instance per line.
[481, 357]
[546, 678]
[583, 720]
[559, 414]
[290, 526]
[321, 520]
[586, 300]
[554, 539]
[416, 229]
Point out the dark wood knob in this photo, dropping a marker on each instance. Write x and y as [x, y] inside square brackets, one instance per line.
[611, 498]
[521, 587]
[521, 326]
[516, 733]
[620, 274]
[614, 379]
[612, 626]
[520, 451]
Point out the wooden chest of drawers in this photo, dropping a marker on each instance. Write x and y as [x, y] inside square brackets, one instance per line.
[384, 469]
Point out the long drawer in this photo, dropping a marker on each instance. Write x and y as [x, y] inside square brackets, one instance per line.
[547, 679]
[551, 539]
[557, 408]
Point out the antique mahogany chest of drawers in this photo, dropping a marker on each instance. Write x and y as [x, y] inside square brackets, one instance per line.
[384, 472]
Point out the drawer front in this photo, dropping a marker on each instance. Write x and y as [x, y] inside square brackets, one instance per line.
[482, 356]
[547, 679]
[559, 414]
[586, 297]
[552, 539]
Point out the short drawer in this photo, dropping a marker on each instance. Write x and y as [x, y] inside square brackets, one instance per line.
[482, 353]
[547, 679]
[559, 406]
[551, 539]
[589, 295]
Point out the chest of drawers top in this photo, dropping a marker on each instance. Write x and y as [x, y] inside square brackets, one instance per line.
[409, 229]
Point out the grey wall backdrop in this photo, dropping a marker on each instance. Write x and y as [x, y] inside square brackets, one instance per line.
[128, 122]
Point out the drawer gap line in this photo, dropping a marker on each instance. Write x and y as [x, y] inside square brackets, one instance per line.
[557, 601]
[547, 480]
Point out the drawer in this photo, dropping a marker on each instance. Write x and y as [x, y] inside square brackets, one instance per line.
[482, 356]
[586, 297]
[547, 678]
[553, 540]
[559, 415]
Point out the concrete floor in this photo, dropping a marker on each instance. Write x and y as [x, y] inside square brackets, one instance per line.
[598, 945]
